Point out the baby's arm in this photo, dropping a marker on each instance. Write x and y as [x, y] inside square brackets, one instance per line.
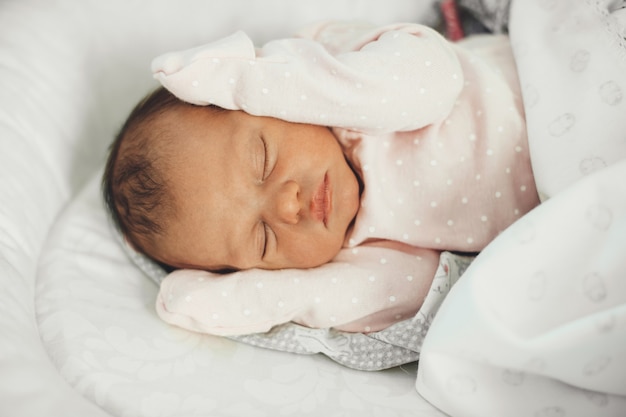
[393, 78]
[385, 284]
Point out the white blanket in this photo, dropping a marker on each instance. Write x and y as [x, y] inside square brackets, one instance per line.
[547, 337]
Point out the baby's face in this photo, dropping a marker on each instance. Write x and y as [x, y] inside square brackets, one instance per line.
[255, 192]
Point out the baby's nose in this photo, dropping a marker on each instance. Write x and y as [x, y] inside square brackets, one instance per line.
[287, 207]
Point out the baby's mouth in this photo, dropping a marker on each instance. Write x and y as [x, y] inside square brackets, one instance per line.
[321, 201]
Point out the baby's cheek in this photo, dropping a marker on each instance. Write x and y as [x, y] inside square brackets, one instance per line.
[311, 250]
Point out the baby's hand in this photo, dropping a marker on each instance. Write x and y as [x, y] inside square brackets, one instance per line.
[237, 45]
[186, 73]
[301, 80]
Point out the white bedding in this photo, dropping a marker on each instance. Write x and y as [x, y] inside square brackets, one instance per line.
[79, 335]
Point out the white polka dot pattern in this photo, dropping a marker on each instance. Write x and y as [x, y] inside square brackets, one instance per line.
[456, 183]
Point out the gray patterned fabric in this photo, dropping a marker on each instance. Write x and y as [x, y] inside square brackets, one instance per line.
[493, 14]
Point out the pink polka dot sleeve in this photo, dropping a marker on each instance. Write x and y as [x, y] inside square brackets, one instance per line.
[376, 82]
[364, 289]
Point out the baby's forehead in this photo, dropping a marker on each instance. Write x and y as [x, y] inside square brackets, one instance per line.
[167, 127]
[170, 117]
[176, 119]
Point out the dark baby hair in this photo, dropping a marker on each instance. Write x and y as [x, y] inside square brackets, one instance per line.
[134, 186]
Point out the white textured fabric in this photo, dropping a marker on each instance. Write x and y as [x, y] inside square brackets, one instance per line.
[548, 337]
[573, 66]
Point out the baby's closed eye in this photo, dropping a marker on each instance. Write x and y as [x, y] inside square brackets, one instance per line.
[259, 159]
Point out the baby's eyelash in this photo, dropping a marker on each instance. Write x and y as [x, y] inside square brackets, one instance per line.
[265, 158]
[265, 239]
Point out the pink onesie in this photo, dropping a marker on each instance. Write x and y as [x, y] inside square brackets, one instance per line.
[435, 130]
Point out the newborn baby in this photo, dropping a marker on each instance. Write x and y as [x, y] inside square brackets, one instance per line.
[352, 153]
[230, 190]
